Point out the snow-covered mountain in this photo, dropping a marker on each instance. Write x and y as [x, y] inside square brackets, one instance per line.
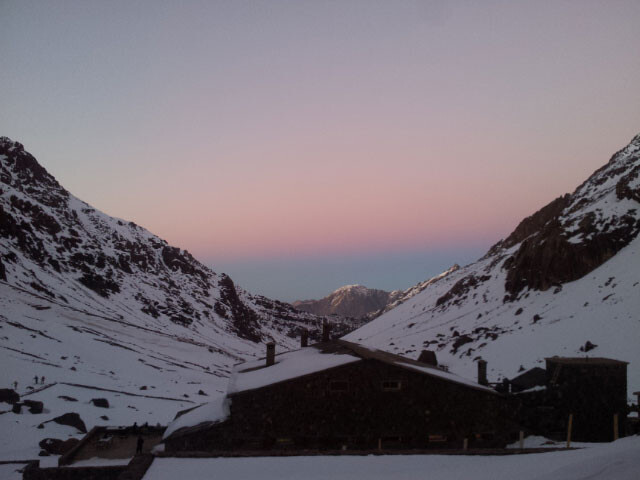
[566, 279]
[89, 299]
[355, 301]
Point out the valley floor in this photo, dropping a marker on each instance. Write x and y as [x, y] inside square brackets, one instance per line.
[619, 461]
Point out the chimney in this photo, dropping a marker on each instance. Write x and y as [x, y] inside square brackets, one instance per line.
[271, 353]
[482, 372]
[326, 328]
[428, 357]
[304, 338]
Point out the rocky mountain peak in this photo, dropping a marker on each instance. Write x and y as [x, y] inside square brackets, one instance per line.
[59, 247]
[564, 281]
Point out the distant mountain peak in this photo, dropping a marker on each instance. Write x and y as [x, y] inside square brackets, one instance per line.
[356, 301]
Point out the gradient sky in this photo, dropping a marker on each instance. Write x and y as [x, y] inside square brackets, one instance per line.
[301, 145]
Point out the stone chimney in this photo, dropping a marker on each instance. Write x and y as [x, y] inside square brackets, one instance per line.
[326, 329]
[271, 353]
[304, 338]
[482, 372]
[428, 357]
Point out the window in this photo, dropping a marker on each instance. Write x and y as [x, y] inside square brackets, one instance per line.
[391, 385]
[339, 386]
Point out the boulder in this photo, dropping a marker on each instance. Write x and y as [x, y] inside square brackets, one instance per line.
[43, 453]
[55, 446]
[100, 402]
[7, 395]
[72, 420]
[17, 408]
[200, 392]
[34, 406]
[67, 398]
[104, 417]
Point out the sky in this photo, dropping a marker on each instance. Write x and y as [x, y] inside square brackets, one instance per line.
[303, 145]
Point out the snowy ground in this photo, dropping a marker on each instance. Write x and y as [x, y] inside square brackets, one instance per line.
[11, 471]
[614, 461]
[21, 434]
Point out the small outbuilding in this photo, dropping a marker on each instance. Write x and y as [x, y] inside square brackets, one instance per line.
[592, 390]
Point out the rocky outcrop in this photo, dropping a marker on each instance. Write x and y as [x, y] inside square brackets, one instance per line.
[72, 420]
[55, 446]
[100, 402]
[577, 233]
[9, 396]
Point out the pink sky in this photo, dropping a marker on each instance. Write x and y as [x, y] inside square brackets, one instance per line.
[257, 130]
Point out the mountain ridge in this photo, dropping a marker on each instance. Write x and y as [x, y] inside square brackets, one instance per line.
[355, 301]
[565, 276]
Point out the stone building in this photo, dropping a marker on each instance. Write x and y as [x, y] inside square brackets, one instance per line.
[592, 390]
[341, 395]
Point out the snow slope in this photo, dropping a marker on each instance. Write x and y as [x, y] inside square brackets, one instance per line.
[567, 275]
[89, 299]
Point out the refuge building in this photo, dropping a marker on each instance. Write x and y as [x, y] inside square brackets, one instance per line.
[341, 395]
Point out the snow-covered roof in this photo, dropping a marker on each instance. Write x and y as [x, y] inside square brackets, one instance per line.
[323, 356]
[210, 413]
[288, 365]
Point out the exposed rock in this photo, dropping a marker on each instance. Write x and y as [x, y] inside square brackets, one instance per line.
[72, 420]
[462, 288]
[55, 446]
[8, 395]
[588, 346]
[34, 406]
[100, 402]
[99, 284]
[68, 399]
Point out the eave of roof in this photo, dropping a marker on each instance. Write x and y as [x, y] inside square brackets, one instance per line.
[586, 361]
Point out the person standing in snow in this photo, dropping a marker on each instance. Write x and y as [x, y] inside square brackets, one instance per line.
[42, 381]
[36, 379]
[15, 385]
[139, 444]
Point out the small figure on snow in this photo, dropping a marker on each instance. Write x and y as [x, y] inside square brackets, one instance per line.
[15, 385]
[36, 379]
[42, 380]
[139, 444]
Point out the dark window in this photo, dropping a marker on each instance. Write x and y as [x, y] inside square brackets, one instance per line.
[339, 386]
[391, 385]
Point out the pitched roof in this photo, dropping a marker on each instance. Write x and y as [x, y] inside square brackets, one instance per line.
[324, 356]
